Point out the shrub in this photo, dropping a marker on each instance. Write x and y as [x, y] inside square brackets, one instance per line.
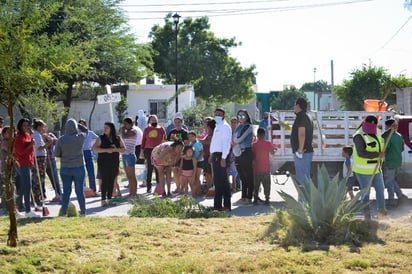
[185, 207]
[322, 213]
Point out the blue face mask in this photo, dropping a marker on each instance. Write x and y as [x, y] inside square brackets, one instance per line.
[218, 119]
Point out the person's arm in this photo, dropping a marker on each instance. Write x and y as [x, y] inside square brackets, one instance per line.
[301, 139]
[122, 147]
[201, 155]
[226, 137]
[96, 147]
[361, 148]
[58, 150]
[82, 128]
[240, 139]
[127, 133]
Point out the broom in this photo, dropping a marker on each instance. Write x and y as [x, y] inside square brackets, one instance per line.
[54, 182]
[380, 158]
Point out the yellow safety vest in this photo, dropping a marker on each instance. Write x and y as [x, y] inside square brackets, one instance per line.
[366, 166]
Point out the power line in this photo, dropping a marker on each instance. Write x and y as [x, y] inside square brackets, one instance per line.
[397, 32]
[245, 11]
[201, 4]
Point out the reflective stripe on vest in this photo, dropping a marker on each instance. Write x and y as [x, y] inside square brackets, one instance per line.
[365, 165]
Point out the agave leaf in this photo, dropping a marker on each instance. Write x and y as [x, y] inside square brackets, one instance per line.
[315, 205]
[296, 210]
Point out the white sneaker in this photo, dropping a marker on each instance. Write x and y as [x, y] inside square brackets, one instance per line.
[31, 214]
[20, 214]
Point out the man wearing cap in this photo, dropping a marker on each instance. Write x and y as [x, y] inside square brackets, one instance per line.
[392, 163]
[367, 155]
[219, 149]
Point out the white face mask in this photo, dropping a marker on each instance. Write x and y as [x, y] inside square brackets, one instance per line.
[218, 119]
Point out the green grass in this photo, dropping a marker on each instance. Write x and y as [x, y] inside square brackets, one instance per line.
[172, 245]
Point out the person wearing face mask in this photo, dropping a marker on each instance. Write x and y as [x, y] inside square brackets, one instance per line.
[242, 141]
[219, 149]
[153, 135]
[264, 123]
[367, 155]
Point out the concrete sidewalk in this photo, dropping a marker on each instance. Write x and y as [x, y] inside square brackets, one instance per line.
[94, 209]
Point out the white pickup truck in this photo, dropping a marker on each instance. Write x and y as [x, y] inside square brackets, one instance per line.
[332, 131]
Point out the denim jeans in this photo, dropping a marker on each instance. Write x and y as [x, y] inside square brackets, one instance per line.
[389, 175]
[51, 170]
[88, 159]
[24, 177]
[377, 184]
[302, 167]
[68, 175]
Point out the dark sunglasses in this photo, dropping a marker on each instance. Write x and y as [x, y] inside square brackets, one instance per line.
[241, 116]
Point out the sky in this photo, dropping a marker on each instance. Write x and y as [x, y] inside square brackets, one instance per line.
[287, 39]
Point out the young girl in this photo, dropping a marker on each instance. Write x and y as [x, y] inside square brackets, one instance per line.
[187, 165]
[198, 155]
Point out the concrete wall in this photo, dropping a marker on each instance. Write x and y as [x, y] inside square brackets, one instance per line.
[404, 100]
[138, 98]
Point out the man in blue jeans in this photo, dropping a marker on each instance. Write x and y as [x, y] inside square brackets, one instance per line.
[219, 150]
[88, 155]
[301, 141]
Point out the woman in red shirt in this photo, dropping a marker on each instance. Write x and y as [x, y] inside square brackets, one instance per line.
[24, 153]
[153, 135]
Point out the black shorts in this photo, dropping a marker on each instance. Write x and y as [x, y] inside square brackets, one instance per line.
[350, 182]
[200, 164]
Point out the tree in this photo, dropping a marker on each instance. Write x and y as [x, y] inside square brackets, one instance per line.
[366, 83]
[203, 61]
[286, 99]
[92, 38]
[20, 74]
[320, 85]
[121, 109]
[408, 4]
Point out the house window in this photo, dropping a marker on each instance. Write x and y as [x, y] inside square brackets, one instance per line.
[158, 107]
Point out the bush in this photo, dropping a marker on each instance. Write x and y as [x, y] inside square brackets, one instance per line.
[185, 207]
[322, 213]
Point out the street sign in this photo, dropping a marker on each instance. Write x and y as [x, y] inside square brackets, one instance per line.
[108, 98]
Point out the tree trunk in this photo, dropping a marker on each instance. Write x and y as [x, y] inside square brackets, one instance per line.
[67, 103]
[8, 178]
[91, 112]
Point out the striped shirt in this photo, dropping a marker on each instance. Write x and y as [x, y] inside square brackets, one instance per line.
[130, 142]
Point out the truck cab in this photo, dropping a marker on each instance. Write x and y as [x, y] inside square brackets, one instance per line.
[404, 177]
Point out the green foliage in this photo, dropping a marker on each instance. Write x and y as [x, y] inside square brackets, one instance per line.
[40, 105]
[317, 86]
[195, 115]
[322, 213]
[366, 83]
[203, 61]
[185, 207]
[121, 109]
[408, 5]
[286, 99]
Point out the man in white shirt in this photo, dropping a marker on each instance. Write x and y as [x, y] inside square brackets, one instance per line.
[129, 136]
[219, 150]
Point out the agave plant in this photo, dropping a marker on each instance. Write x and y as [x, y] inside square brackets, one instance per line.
[321, 210]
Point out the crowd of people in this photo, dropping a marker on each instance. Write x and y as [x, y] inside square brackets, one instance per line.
[229, 158]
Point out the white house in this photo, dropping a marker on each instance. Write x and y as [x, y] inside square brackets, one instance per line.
[151, 98]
